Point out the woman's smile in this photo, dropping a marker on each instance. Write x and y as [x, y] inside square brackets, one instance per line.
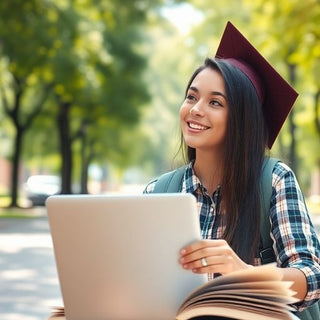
[197, 127]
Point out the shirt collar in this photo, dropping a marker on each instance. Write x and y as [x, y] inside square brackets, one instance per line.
[191, 182]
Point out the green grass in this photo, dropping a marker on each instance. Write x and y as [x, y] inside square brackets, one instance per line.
[17, 213]
[28, 213]
[4, 201]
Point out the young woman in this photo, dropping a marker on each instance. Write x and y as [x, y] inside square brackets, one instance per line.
[233, 110]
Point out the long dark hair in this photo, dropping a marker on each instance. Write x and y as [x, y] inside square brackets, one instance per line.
[245, 146]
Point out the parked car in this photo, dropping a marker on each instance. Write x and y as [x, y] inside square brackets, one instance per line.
[39, 187]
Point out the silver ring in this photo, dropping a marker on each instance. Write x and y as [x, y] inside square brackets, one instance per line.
[204, 262]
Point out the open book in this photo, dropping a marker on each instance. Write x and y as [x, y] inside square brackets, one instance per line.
[255, 293]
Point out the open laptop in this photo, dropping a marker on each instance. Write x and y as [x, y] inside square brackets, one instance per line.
[117, 256]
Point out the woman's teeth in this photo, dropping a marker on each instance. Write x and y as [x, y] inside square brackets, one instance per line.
[197, 126]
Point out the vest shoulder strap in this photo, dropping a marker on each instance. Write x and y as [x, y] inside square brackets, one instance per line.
[266, 252]
[170, 182]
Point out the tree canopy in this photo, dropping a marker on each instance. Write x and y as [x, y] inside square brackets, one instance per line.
[89, 81]
[81, 61]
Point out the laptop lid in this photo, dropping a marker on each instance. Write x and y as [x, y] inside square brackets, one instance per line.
[117, 256]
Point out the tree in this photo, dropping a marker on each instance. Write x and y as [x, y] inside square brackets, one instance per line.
[79, 55]
[23, 87]
[115, 85]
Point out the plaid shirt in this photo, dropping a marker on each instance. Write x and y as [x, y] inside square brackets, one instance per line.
[295, 242]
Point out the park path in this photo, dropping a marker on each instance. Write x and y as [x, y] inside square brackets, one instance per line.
[29, 285]
[28, 277]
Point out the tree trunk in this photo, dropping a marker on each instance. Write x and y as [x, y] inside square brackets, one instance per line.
[84, 177]
[65, 147]
[292, 148]
[16, 156]
[21, 125]
[15, 167]
[292, 125]
[84, 162]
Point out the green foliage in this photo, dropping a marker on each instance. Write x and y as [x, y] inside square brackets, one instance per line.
[89, 54]
[287, 33]
[124, 68]
[293, 39]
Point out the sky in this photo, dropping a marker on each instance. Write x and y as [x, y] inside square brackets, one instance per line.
[183, 16]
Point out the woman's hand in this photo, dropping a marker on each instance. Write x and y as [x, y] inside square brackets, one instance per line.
[211, 256]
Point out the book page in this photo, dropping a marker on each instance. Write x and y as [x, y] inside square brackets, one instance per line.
[245, 295]
[57, 313]
[237, 313]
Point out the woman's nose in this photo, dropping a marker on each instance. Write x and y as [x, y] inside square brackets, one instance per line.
[197, 110]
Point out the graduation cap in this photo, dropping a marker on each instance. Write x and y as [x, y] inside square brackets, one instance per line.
[275, 94]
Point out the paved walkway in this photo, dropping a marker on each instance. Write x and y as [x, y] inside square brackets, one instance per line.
[29, 284]
[28, 280]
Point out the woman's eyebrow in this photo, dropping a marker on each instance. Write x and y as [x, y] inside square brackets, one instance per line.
[214, 93]
[194, 89]
[218, 93]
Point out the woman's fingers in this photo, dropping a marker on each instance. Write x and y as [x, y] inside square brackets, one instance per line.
[202, 244]
[210, 256]
[203, 249]
[203, 262]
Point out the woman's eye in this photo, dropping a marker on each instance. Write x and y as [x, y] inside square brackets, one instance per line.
[190, 97]
[215, 103]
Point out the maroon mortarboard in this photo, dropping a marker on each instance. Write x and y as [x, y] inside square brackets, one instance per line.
[276, 95]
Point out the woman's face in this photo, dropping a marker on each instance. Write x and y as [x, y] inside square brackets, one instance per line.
[204, 113]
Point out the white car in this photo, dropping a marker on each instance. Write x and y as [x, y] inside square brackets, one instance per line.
[39, 187]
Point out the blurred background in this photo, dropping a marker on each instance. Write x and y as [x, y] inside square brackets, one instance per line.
[90, 90]
[89, 97]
